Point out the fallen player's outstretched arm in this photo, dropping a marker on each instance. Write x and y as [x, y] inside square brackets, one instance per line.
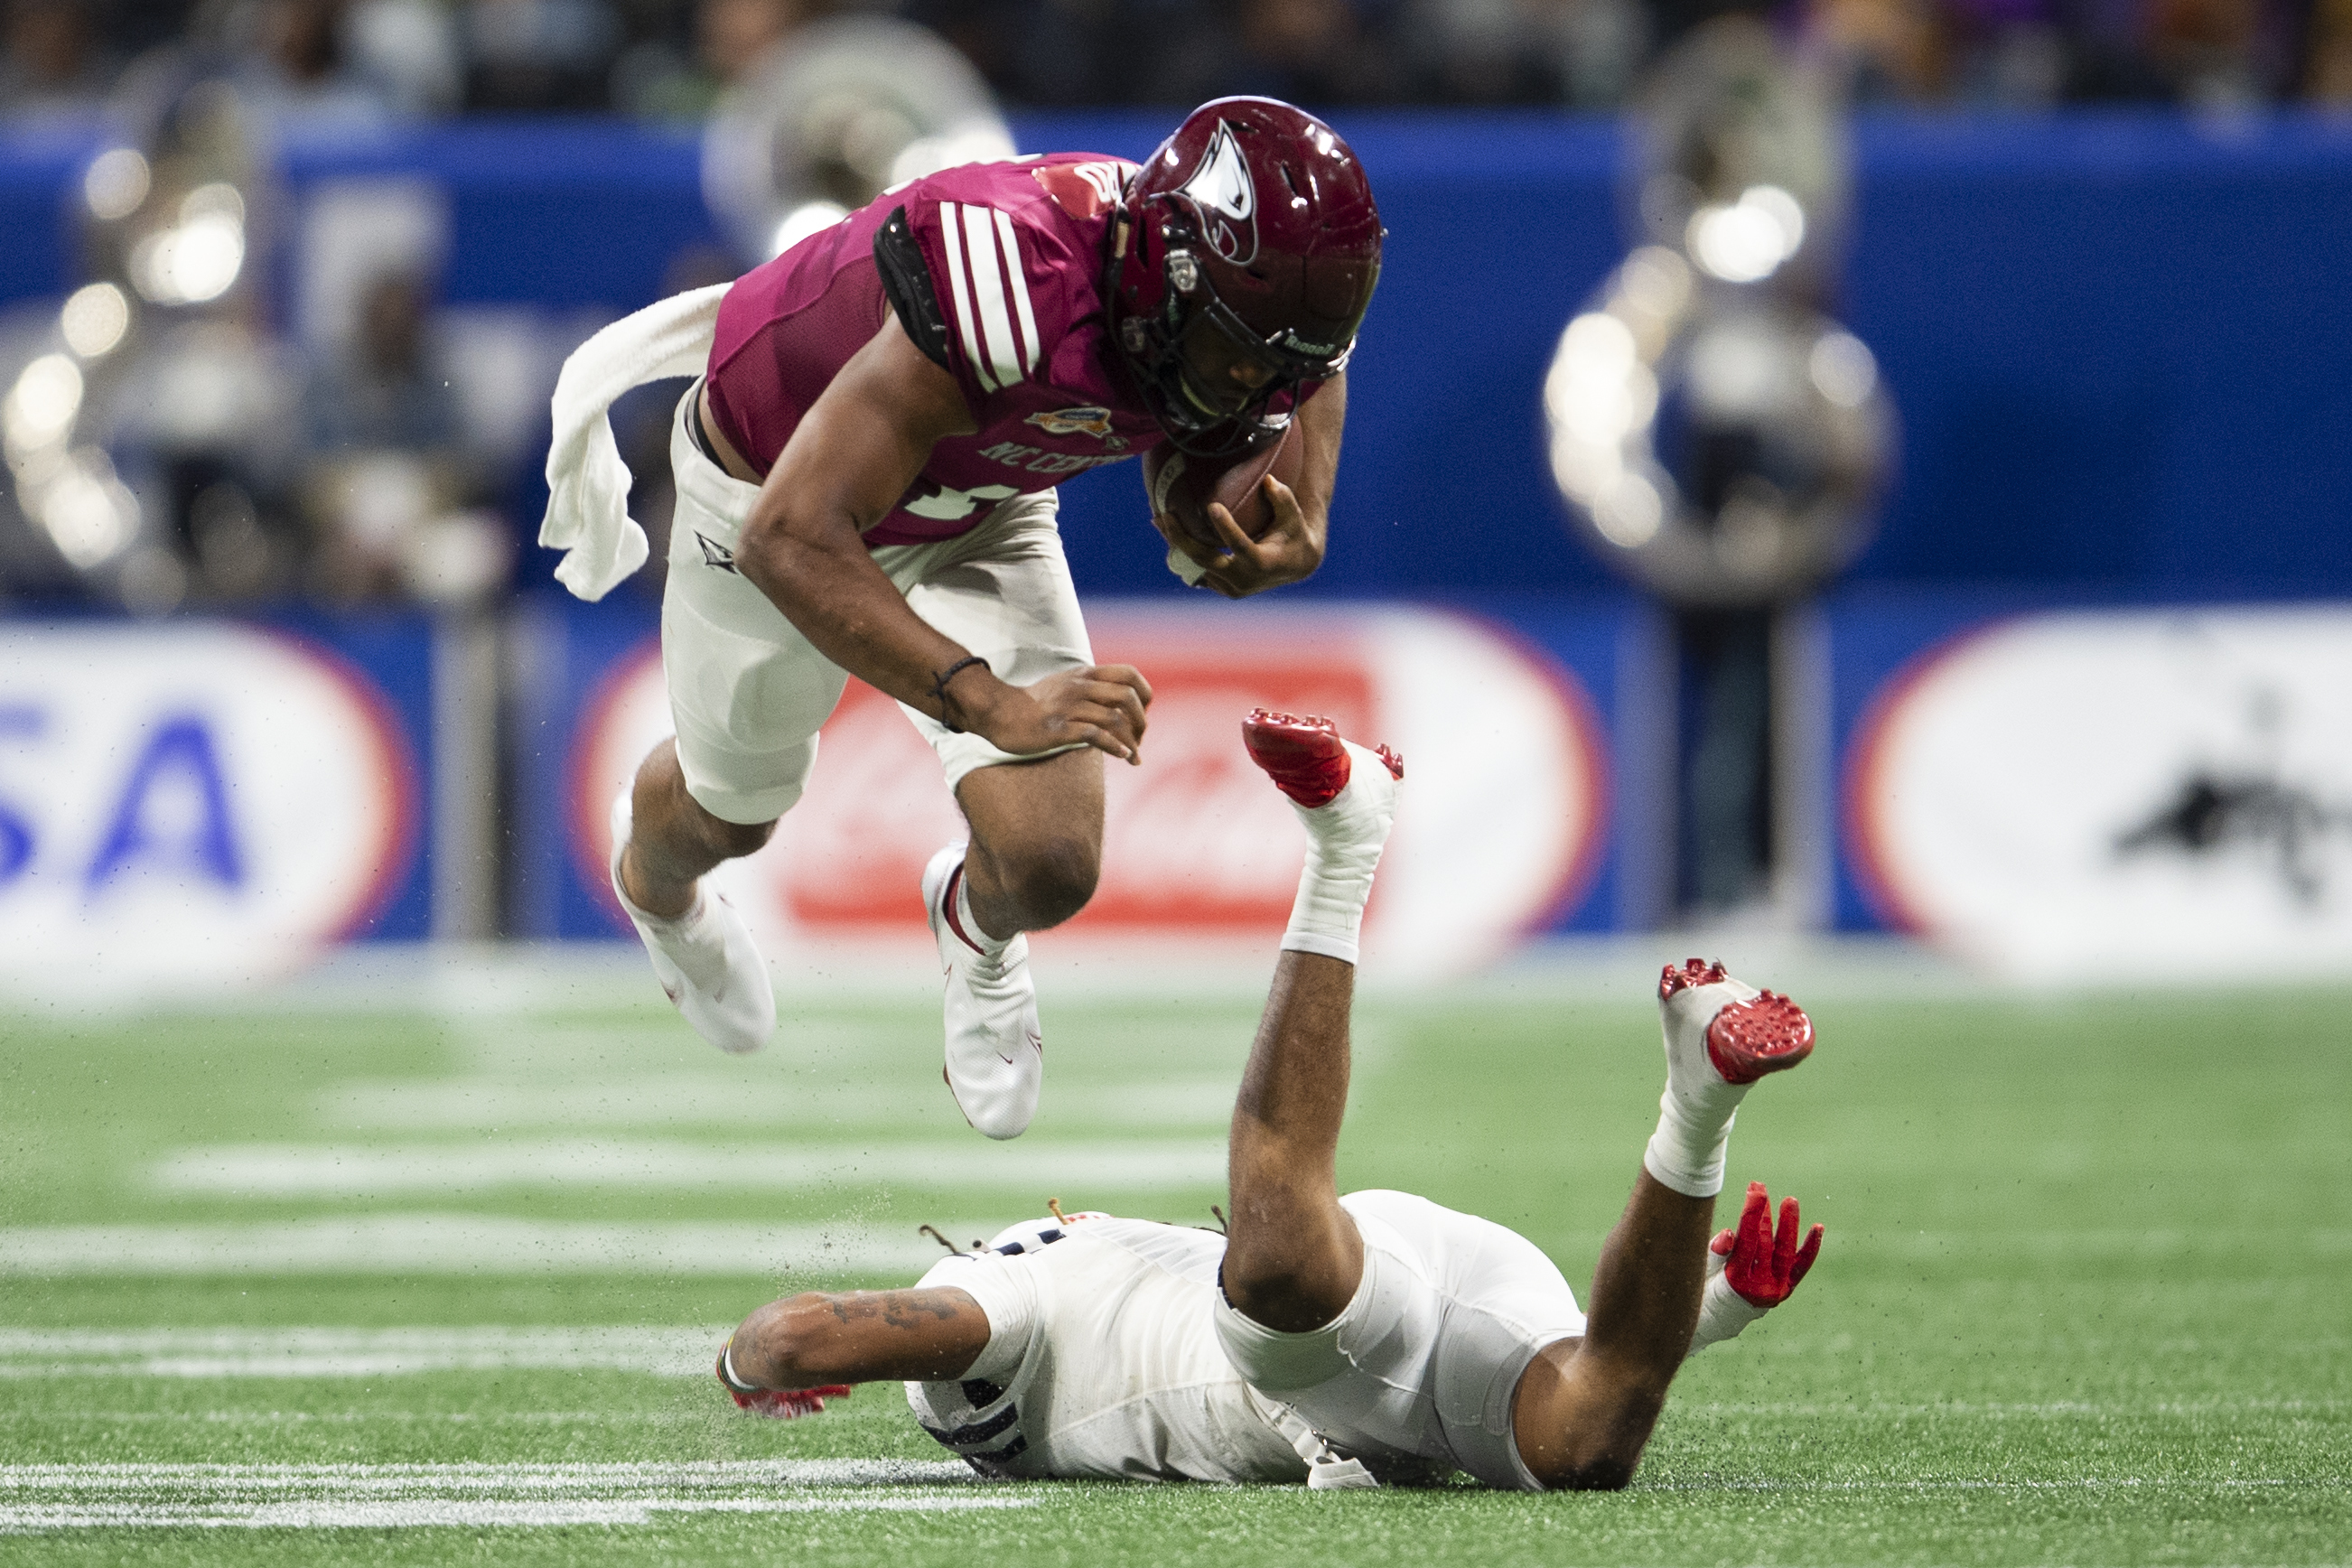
[817, 1340]
[1753, 1269]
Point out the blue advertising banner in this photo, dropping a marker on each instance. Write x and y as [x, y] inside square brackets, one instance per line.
[2118, 791]
[207, 803]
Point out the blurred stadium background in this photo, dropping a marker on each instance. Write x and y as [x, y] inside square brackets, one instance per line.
[1859, 486]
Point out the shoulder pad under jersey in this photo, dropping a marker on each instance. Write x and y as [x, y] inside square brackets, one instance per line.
[907, 283]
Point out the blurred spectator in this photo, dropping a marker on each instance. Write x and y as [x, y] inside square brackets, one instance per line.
[1593, 48]
[1074, 52]
[1883, 51]
[54, 64]
[539, 55]
[2212, 52]
[385, 478]
[382, 392]
[657, 80]
[673, 60]
[1314, 51]
[1580, 52]
[2007, 54]
[292, 63]
[409, 49]
[2327, 69]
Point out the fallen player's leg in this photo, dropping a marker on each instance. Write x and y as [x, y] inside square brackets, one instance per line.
[1294, 1257]
[1585, 1411]
[1368, 1339]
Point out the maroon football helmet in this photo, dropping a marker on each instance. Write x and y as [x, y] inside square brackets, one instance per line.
[1243, 257]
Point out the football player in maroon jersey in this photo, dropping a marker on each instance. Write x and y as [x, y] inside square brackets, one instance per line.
[865, 476]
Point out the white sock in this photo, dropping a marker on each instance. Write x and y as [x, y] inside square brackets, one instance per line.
[990, 945]
[1344, 839]
[1687, 1150]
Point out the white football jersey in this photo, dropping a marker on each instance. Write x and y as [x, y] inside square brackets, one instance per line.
[1103, 1362]
[1113, 1353]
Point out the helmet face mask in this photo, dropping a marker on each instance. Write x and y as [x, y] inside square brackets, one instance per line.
[1245, 254]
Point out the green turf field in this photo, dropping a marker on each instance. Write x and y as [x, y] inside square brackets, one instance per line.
[444, 1284]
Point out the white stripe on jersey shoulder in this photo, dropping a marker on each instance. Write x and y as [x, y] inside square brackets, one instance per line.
[951, 242]
[1019, 276]
[989, 292]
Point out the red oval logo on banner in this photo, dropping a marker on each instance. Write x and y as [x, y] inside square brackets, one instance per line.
[1500, 828]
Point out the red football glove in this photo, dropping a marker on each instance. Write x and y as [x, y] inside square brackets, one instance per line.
[782, 1403]
[1761, 1266]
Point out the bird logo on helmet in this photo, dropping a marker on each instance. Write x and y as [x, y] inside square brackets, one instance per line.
[1242, 261]
[1221, 195]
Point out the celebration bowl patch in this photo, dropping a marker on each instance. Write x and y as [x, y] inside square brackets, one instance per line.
[1092, 422]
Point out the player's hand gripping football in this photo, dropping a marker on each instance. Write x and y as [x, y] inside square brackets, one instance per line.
[1764, 1265]
[1289, 551]
[781, 1403]
[1099, 705]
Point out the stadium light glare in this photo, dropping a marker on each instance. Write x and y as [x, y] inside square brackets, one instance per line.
[95, 320]
[1844, 369]
[191, 264]
[115, 183]
[41, 407]
[89, 513]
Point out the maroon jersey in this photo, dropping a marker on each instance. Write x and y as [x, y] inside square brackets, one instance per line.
[996, 271]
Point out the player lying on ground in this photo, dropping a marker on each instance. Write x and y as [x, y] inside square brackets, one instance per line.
[866, 478]
[1375, 1337]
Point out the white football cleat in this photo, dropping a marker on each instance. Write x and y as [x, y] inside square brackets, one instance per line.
[705, 959]
[996, 1053]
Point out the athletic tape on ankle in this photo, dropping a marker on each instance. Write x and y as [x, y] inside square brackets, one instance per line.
[1669, 1158]
[1339, 947]
[1327, 916]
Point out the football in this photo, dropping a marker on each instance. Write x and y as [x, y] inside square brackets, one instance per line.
[1183, 485]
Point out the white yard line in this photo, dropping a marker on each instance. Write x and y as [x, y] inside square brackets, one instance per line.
[1996, 1484]
[330, 1352]
[362, 1170]
[472, 1103]
[2101, 1409]
[480, 1245]
[470, 1514]
[37, 1498]
[483, 1476]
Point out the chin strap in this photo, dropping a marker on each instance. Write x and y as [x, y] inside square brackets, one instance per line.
[1327, 1468]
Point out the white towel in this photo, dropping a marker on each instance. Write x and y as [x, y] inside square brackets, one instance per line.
[587, 484]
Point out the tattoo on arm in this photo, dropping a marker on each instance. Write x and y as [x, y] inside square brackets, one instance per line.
[896, 1309]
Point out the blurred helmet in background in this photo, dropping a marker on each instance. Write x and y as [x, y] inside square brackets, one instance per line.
[1739, 159]
[1722, 447]
[838, 111]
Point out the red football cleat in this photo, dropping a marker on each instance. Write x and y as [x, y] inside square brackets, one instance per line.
[1766, 1034]
[779, 1404]
[1750, 1033]
[1304, 754]
[1694, 971]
